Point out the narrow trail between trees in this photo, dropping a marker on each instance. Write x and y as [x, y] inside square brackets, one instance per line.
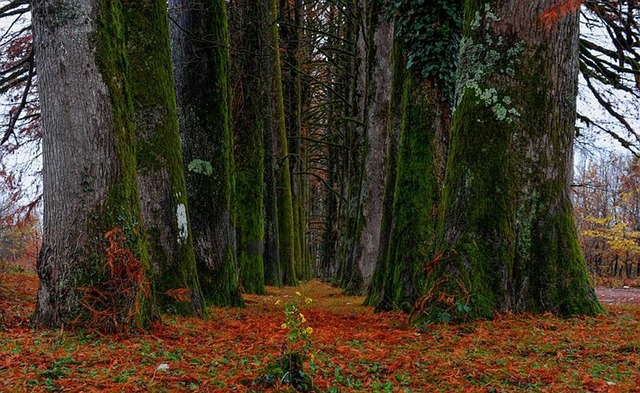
[353, 350]
[618, 295]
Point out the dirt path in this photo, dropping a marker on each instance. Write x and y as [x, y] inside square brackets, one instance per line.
[619, 295]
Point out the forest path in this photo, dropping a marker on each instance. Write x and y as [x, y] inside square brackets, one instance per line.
[354, 349]
[620, 296]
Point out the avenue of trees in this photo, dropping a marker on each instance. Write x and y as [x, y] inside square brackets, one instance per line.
[419, 153]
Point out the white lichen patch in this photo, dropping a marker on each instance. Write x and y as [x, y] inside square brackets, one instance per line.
[481, 62]
[183, 227]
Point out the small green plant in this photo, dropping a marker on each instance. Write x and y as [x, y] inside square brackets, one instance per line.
[288, 369]
[299, 335]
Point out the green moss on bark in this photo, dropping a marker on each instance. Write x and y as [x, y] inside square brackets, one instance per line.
[508, 241]
[286, 238]
[204, 107]
[121, 210]
[249, 127]
[159, 157]
[416, 196]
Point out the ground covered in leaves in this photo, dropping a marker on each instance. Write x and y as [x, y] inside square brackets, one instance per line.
[354, 350]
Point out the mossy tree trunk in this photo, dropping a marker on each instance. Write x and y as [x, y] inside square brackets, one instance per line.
[425, 117]
[201, 61]
[508, 240]
[89, 165]
[290, 13]
[261, 78]
[255, 121]
[376, 43]
[160, 173]
[286, 223]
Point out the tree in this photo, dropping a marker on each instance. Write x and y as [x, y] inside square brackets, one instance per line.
[92, 239]
[290, 22]
[262, 154]
[280, 159]
[606, 196]
[201, 57]
[160, 174]
[19, 237]
[425, 51]
[508, 240]
[368, 166]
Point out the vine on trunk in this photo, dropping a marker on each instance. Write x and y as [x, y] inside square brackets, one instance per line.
[430, 33]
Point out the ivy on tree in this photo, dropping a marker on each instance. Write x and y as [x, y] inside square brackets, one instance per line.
[430, 34]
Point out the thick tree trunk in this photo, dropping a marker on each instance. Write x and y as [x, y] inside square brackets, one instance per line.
[508, 241]
[377, 44]
[426, 117]
[201, 60]
[420, 119]
[161, 181]
[89, 170]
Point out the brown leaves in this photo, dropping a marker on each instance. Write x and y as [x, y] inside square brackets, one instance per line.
[113, 302]
[355, 350]
[180, 294]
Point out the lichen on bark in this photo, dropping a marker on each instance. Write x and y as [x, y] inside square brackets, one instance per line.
[507, 240]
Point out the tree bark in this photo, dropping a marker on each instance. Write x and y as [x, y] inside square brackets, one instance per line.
[290, 11]
[376, 43]
[420, 122]
[89, 168]
[263, 110]
[201, 60]
[508, 241]
[160, 173]
[286, 222]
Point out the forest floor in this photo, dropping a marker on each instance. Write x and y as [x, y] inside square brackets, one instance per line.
[354, 350]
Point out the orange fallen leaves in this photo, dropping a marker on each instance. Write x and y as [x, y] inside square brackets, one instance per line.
[355, 350]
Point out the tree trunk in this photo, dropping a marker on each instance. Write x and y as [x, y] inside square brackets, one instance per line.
[376, 43]
[264, 111]
[421, 121]
[286, 222]
[161, 181]
[204, 107]
[417, 193]
[375, 290]
[508, 241]
[290, 12]
[91, 205]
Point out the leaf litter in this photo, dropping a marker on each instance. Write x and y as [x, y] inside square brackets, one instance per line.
[354, 350]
